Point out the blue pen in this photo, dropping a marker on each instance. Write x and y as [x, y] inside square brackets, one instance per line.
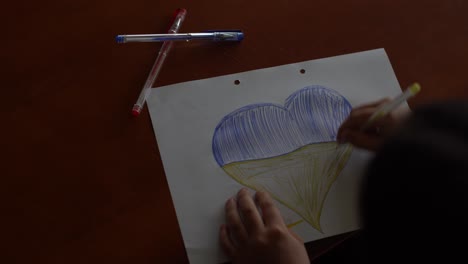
[213, 35]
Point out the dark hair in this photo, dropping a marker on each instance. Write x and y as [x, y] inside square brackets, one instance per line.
[415, 196]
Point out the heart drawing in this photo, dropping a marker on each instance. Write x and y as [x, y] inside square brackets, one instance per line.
[288, 151]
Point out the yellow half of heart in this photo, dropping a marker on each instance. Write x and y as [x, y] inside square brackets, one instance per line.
[300, 180]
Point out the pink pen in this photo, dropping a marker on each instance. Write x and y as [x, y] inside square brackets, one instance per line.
[166, 47]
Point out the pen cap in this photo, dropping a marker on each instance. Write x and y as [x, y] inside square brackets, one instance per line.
[240, 36]
[230, 36]
[120, 39]
[227, 35]
[179, 17]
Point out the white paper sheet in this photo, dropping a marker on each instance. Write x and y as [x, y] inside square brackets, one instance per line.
[185, 116]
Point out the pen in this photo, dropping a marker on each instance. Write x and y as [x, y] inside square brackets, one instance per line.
[392, 105]
[166, 47]
[231, 35]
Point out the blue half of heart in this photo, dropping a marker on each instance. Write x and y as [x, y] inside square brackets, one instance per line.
[310, 115]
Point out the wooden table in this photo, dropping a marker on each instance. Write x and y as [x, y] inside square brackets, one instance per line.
[82, 180]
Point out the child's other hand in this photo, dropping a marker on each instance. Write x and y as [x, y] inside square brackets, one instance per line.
[254, 235]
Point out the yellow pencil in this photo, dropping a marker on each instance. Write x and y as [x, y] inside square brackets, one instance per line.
[392, 105]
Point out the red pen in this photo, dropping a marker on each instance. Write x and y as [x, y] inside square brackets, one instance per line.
[166, 47]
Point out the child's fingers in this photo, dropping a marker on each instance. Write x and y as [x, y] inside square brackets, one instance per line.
[355, 121]
[373, 104]
[359, 116]
[250, 214]
[270, 213]
[234, 222]
[226, 242]
[362, 140]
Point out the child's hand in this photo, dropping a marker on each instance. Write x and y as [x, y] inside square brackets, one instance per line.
[253, 236]
[372, 138]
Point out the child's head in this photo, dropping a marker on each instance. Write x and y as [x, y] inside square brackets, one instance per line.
[415, 197]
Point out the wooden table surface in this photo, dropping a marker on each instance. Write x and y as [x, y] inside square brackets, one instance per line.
[82, 180]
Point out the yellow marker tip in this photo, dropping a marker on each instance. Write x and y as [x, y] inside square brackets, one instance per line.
[415, 88]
